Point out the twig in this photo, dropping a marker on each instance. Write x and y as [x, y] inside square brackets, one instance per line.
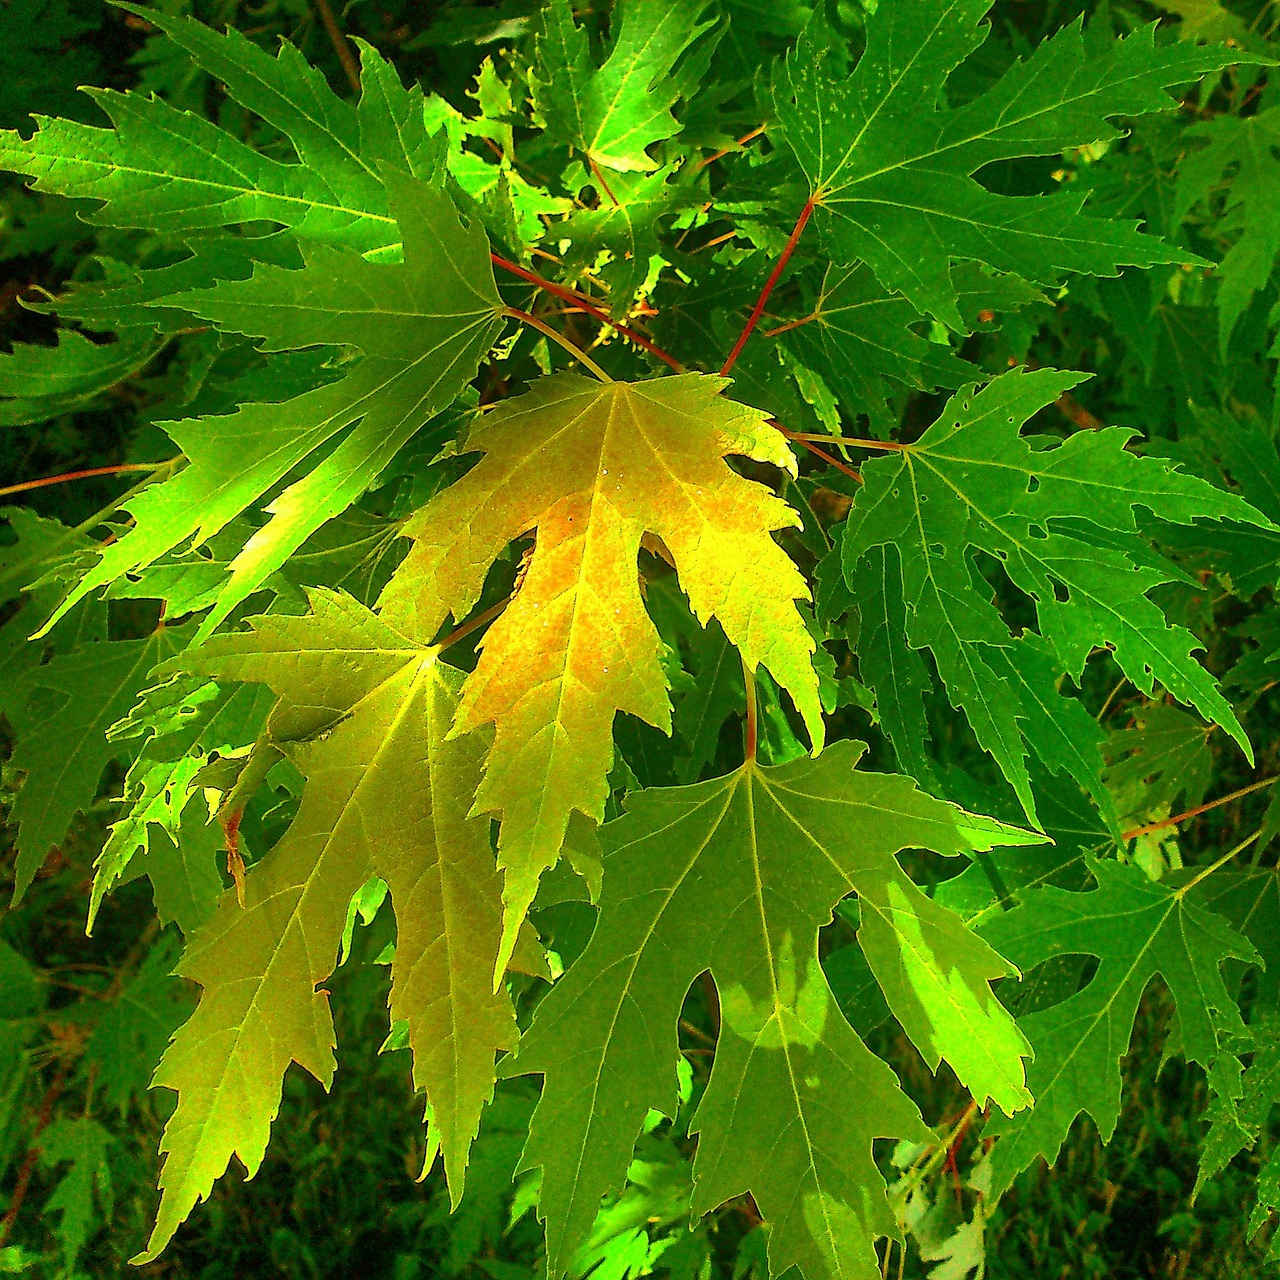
[119, 469]
[570, 295]
[758, 310]
[341, 46]
[737, 146]
[1199, 809]
[556, 336]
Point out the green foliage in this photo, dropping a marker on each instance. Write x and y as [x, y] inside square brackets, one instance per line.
[522, 478]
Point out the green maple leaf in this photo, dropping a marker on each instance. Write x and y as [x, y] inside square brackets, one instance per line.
[168, 170]
[387, 793]
[181, 724]
[62, 744]
[594, 467]
[614, 112]
[1051, 515]
[736, 876]
[856, 337]
[1236, 1119]
[1137, 928]
[39, 383]
[423, 327]
[890, 165]
[1249, 148]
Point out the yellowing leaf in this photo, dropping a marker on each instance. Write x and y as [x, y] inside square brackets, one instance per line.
[593, 467]
[386, 794]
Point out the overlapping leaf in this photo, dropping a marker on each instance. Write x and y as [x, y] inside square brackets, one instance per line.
[62, 744]
[593, 467]
[1137, 928]
[736, 876]
[423, 327]
[1249, 148]
[890, 165]
[1050, 515]
[168, 170]
[612, 113]
[386, 793]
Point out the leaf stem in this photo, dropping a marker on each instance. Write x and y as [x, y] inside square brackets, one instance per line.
[480, 620]
[858, 442]
[1222, 861]
[556, 336]
[821, 453]
[1198, 810]
[578, 300]
[751, 734]
[758, 310]
[119, 469]
[341, 46]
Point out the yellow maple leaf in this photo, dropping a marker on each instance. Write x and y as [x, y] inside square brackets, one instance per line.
[593, 467]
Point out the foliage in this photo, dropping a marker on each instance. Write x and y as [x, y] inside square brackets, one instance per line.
[682, 589]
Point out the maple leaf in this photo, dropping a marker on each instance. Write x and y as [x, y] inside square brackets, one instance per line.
[181, 724]
[1250, 147]
[423, 327]
[593, 467]
[1235, 1122]
[168, 170]
[62, 745]
[737, 876]
[856, 337]
[38, 383]
[890, 165]
[1050, 514]
[386, 794]
[612, 113]
[1137, 928]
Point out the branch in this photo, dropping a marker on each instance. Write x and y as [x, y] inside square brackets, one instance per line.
[578, 300]
[1197, 811]
[754, 319]
[341, 45]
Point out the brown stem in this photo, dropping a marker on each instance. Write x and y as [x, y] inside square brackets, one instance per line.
[791, 324]
[1199, 809]
[119, 469]
[341, 45]
[571, 295]
[825, 456]
[28, 1166]
[758, 310]
[599, 177]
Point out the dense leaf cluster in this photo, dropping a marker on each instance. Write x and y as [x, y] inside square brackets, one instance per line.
[731, 549]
